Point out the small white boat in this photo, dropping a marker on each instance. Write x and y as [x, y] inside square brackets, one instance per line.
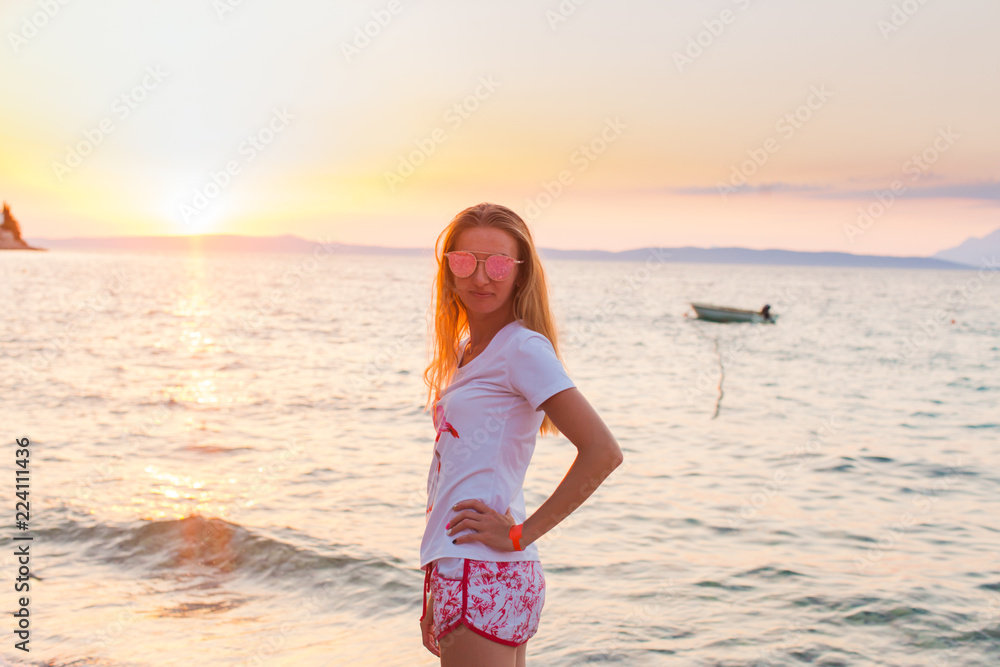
[724, 314]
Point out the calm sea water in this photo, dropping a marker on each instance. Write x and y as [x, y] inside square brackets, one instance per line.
[229, 459]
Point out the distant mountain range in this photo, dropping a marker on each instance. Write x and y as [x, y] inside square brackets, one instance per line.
[974, 251]
[956, 258]
[769, 257]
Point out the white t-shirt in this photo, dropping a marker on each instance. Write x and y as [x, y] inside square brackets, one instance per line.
[486, 422]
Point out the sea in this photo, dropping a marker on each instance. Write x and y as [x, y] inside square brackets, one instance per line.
[228, 455]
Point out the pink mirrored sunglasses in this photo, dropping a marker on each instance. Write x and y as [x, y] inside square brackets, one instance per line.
[463, 264]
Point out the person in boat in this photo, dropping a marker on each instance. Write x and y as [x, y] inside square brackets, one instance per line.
[765, 312]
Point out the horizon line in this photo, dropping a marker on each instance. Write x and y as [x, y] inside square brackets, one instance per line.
[431, 247]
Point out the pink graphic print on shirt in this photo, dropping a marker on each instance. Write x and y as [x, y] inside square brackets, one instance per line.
[440, 426]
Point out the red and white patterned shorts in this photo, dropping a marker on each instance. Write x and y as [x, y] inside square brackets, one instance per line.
[499, 600]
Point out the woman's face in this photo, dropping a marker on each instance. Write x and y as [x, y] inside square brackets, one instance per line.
[477, 292]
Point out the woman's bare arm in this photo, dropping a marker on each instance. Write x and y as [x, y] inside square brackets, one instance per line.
[598, 454]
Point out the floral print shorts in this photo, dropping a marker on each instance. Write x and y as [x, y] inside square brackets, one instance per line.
[499, 600]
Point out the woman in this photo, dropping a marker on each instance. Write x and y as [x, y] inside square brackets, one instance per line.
[490, 394]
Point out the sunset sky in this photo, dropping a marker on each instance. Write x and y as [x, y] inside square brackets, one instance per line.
[607, 125]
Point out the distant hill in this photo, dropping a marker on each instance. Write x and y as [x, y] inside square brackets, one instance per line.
[210, 243]
[974, 251]
[689, 254]
[294, 244]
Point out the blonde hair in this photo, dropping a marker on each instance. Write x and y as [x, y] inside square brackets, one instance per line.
[450, 322]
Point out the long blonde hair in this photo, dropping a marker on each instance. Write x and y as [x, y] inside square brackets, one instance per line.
[450, 322]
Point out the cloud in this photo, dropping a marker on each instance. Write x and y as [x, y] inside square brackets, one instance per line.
[977, 190]
[988, 190]
[762, 189]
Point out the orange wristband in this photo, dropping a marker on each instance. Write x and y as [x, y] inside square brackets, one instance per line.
[515, 536]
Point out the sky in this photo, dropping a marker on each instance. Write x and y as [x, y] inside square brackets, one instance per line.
[863, 126]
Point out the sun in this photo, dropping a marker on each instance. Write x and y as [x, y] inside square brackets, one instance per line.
[184, 219]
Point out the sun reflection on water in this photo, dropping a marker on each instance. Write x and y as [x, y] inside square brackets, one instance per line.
[200, 389]
[167, 495]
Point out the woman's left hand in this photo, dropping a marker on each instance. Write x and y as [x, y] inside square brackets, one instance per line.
[489, 526]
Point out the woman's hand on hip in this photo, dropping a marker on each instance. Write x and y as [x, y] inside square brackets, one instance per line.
[488, 526]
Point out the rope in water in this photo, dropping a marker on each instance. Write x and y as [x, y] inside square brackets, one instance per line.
[722, 370]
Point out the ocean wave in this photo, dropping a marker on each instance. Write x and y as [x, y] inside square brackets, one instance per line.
[207, 544]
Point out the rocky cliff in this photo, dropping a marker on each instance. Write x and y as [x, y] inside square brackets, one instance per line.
[10, 233]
